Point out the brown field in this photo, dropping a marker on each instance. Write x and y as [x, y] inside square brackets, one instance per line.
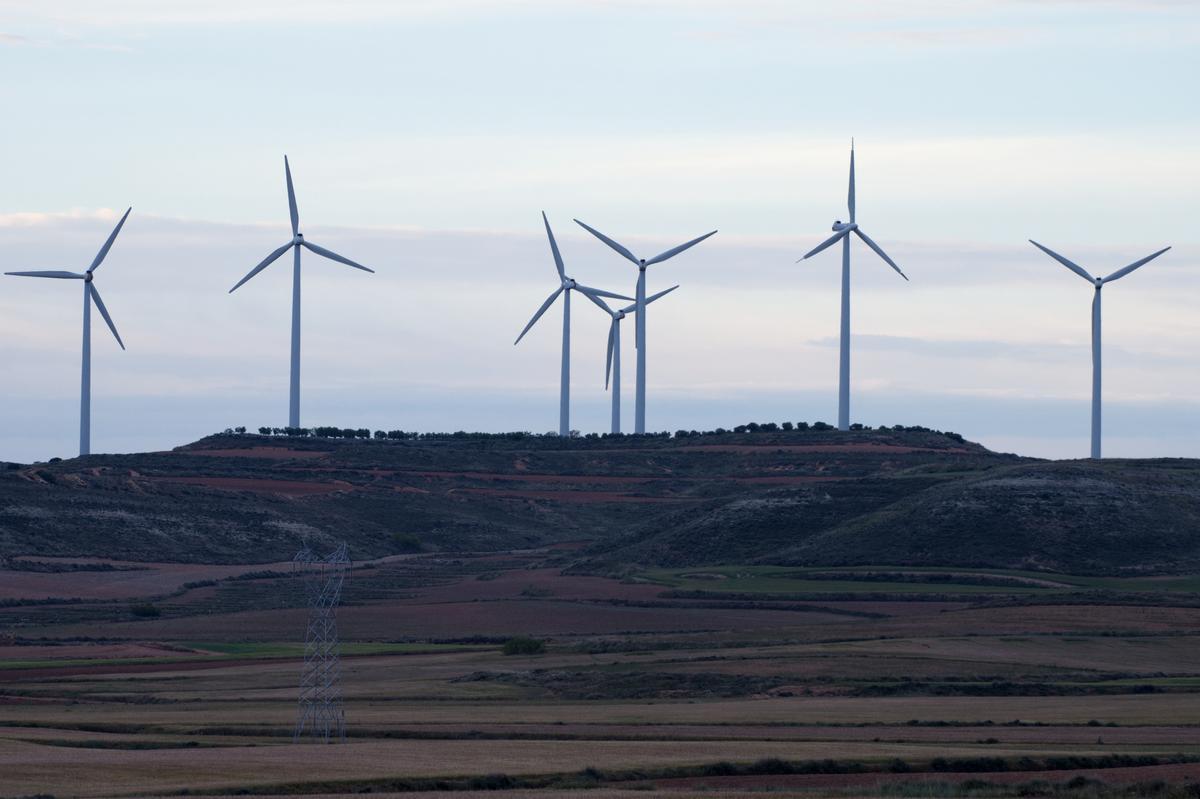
[94, 703]
[291, 488]
[141, 580]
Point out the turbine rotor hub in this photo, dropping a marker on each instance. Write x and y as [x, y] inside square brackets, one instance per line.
[87, 277]
[298, 238]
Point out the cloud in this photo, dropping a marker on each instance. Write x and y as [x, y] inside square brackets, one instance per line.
[25, 219]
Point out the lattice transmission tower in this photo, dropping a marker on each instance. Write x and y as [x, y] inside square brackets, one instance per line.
[321, 714]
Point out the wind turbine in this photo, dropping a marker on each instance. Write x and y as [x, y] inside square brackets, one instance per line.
[566, 285]
[295, 244]
[639, 420]
[90, 295]
[1098, 282]
[613, 361]
[842, 231]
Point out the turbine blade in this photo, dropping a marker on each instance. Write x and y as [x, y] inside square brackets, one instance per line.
[333, 256]
[654, 297]
[612, 330]
[618, 247]
[56, 274]
[263, 265]
[633, 308]
[1120, 273]
[1074, 267]
[601, 292]
[558, 261]
[671, 253]
[108, 244]
[95, 295]
[880, 252]
[591, 295]
[287, 170]
[850, 196]
[834, 239]
[538, 315]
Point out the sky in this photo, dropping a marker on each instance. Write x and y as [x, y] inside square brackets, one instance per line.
[426, 138]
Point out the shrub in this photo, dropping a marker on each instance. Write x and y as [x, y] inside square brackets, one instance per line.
[524, 645]
[145, 611]
[406, 542]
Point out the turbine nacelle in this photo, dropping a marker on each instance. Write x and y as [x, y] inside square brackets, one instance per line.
[839, 226]
[569, 283]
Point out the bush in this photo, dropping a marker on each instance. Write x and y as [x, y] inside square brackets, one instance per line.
[145, 611]
[406, 542]
[524, 645]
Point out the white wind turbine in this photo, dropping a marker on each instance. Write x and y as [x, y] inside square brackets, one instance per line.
[612, 363]
[295, 244]
[842, 233]
[90, 295]
[639, 419]
[566, 285]
[1098, 282]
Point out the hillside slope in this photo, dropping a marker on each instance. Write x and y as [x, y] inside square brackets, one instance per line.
[1073, 516]
[1081, 516]
[797, 497]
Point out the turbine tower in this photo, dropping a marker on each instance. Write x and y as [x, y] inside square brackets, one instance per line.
[612, 363]
[1099, 283]
[295, 244]
[90, 295]
[566, 285]
[842, 231]
[639, 419]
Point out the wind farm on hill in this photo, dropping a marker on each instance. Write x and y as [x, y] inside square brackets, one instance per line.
[638, 306]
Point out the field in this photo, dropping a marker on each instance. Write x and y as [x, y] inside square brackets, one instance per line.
[680, 682]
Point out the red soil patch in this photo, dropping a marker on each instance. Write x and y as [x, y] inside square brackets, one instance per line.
[600, 479]
[291, 488]
[492, 477]
[267, 453]
[89, 651]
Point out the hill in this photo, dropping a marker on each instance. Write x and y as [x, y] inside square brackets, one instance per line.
[803, 497]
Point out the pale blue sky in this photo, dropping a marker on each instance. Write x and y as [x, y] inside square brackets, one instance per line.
[426, 137]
